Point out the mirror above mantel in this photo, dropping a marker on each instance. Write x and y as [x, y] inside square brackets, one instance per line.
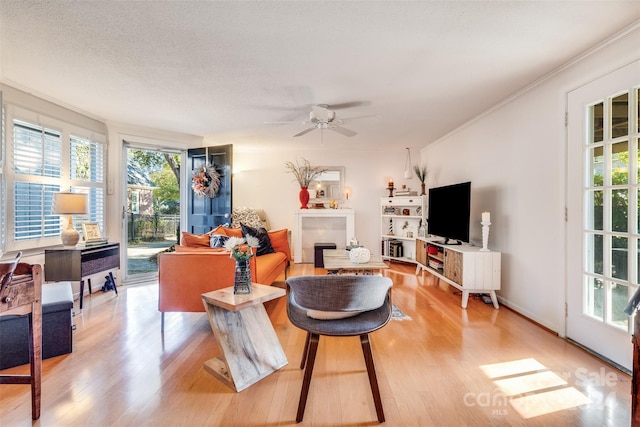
[328, 186]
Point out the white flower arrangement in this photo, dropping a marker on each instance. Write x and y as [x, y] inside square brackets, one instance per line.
[234, 245]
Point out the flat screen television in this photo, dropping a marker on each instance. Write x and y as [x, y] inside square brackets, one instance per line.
[449, 212]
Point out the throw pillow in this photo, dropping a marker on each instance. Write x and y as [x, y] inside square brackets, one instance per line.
[263, 237]
[280, 241]
[218, 230]
[331, 315]
[193, 240]
[246, 216]
[233, 232]
[218, 240]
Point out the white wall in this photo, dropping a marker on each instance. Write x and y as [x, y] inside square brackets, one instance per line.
[515, 157]
[260, 181]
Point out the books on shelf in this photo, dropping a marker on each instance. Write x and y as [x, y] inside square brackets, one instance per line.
[405, 193]
[90, 243]
[392, 248]
[436, 264]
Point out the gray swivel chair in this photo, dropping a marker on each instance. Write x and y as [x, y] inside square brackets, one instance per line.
[341, 306]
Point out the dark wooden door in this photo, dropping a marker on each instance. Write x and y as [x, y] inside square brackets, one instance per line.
[204, 213]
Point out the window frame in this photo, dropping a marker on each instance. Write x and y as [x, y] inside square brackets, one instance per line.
[96, 189]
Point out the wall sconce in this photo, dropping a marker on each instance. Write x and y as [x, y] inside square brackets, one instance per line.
[69, 204]
[408, 174]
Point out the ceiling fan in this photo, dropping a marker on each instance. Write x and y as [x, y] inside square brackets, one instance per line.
[321, 117]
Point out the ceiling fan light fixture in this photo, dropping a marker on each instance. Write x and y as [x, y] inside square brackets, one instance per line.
[321, 117]
[407, 165]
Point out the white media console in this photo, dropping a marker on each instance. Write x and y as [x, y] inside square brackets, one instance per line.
[465, 267]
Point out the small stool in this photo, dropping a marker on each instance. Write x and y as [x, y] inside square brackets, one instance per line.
[57, 328]
[318, 248]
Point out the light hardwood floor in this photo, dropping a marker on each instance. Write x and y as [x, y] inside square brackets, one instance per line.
[444, 367]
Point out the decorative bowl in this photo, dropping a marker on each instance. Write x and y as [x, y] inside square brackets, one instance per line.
[359, 255]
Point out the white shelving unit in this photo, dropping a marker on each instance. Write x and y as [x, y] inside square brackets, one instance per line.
[400, 220]
[465, 267]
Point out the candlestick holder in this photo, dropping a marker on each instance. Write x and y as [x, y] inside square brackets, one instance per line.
[485, 236]
[390, 191]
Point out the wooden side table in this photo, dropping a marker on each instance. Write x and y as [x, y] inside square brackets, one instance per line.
[250, 346]
[23, 295]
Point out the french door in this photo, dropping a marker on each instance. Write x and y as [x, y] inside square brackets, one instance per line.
[603, 221]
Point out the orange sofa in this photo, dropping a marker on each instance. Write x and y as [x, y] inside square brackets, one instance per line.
[195, 268]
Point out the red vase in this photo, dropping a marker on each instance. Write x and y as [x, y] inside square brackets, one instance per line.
[304, 197]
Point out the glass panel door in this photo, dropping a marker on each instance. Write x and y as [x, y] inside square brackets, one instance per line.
[152, 213]
[603, 188]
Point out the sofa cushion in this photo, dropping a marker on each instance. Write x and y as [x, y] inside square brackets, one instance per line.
[180, 248]
[269, 267]
[280, 241]
[263, 237]
[218, 240]
[195, 240]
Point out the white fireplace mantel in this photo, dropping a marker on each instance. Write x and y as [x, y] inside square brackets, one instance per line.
[321, 226]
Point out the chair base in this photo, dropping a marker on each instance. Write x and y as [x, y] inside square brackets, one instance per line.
[308, 360]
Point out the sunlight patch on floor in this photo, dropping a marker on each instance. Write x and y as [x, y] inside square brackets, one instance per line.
[523, 381]
[515, 367]
[529, 383]
[545, 403]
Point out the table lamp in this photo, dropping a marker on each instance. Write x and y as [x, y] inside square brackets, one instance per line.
[69, 204]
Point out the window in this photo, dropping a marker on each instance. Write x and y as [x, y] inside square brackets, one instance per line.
[612, 231]
[45, 157]
[135, 201]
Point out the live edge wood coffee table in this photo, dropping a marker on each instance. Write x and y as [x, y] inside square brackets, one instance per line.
[337, 261]
[250, 346]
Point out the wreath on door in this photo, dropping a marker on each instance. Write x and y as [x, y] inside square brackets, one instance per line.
[205, 181]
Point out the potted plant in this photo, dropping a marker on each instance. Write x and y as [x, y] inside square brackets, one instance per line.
[241, 253]
[304, 173]
[421, 173]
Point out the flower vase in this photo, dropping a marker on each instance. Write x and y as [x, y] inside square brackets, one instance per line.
[304, 197]
[242, 280]
[423, 188]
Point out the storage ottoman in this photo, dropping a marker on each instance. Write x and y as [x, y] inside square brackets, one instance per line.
[318, 258]
[57, 304]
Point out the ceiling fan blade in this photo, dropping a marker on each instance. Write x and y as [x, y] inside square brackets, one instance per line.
[304, 132]
[343, 131]
[287, 123]
[358, 117]
[351, 104]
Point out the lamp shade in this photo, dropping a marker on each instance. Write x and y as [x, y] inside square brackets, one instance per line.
[69, 203]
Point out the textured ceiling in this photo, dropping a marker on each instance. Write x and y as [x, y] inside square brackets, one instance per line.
[221, 69]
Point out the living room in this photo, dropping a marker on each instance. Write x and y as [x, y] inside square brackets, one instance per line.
[514, 150]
